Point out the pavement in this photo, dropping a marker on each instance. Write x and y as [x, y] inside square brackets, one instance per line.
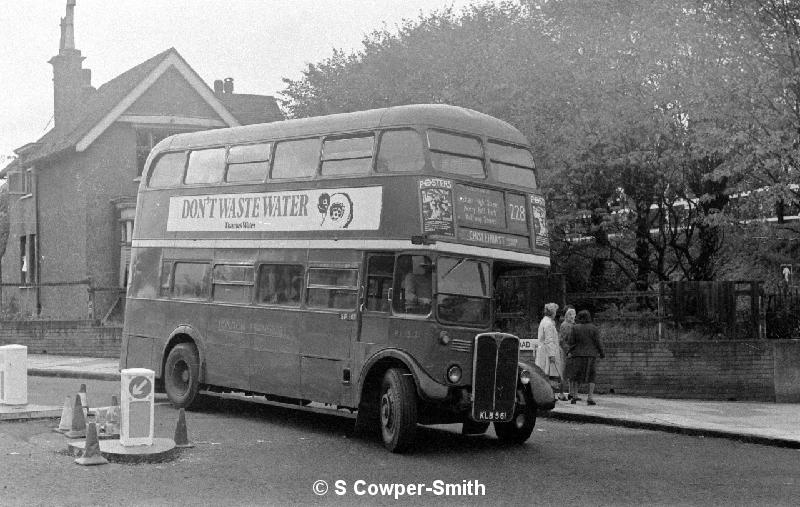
[757, 422]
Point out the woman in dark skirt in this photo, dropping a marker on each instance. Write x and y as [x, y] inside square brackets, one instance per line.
[584, 349]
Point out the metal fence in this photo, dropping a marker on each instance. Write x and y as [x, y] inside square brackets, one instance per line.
[103, 304]
[680, 310]
[782, 313]
[726, 310]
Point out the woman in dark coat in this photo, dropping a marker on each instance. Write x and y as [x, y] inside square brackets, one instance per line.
[584, 349]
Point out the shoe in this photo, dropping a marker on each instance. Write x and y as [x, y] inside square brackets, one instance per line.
[590, 402]
[572, 401]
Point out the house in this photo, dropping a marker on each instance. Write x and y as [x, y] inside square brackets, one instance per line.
[73, 192]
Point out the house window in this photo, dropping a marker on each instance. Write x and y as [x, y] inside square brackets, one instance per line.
[27, 182]
[15, 182]
[27, 256]
[125, 240]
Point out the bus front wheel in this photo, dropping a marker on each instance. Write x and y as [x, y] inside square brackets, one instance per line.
[520, 427]
[181, 376]
[398, 410]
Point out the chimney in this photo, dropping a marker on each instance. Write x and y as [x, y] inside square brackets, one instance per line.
[218, 87]
[70, 79]
[227, 86]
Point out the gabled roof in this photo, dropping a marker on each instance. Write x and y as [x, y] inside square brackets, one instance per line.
[105, 105]
[250, 109]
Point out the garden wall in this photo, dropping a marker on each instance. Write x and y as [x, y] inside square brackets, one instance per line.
[71, 338]
[763, 370]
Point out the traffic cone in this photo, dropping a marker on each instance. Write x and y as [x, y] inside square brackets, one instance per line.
[78, 428]
[65, 424]
[181, 437]
[112, 417]
[91, 453]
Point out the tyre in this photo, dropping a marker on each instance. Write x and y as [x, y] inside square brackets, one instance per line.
[520, 427]
[398, 410]
[181, 376]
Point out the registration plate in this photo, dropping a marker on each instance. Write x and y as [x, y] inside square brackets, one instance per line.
[526, 344]
[492, 415]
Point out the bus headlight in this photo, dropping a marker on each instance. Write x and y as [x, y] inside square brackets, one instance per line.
[444, 338]
[525, 377]
[454, 374]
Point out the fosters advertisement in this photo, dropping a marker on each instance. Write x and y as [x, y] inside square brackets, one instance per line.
[290, 210]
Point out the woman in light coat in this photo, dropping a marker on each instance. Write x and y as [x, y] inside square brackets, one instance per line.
[548, 355]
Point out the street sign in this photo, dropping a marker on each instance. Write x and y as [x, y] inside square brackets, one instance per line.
[140, 387]
[136, 406]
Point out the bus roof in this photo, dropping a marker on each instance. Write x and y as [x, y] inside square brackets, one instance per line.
[432, 115]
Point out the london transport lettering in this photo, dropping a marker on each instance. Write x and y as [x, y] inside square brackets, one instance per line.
[301, 210]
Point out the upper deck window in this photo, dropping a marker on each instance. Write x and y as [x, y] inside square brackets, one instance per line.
[512, 165]
[457, 154]
[350, 155]
[296, 159]
[205, 166]
[400, 151]
[168, 170]
[249, 162]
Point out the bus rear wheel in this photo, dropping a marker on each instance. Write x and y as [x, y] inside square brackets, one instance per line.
[181, 376]
[398, 410]
[520, 427]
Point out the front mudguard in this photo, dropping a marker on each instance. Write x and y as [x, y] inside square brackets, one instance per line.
[540, 387]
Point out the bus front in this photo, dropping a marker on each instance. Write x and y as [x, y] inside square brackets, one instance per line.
[480, 229]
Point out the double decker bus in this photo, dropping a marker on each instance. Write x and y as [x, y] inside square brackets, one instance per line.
[349, 260]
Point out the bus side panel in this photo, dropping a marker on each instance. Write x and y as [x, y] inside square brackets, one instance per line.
[275, 357]
[229, 343]
[325, 344]
[144, 321]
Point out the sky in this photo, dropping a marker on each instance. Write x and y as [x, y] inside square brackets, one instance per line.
[257, 42]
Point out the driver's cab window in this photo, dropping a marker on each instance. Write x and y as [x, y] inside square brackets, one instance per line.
[379, 282]
[414, 280]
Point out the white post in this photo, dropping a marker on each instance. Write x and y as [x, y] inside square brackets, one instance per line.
[13, 375]
[137, 406]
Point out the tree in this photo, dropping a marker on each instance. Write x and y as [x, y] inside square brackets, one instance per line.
[625, 103]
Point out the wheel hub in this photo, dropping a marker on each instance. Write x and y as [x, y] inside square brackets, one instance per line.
[387, 411]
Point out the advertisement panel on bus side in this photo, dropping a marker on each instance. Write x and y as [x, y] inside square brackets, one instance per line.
[290, 210]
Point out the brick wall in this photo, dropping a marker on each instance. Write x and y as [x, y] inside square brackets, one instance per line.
[75, 338]
[721, 370]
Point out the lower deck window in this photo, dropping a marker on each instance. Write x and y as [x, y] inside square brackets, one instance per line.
[332, 288]
[280, 284]
[190, 280]
[233, 283]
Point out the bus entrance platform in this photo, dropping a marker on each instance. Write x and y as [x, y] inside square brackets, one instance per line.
[757, 422]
